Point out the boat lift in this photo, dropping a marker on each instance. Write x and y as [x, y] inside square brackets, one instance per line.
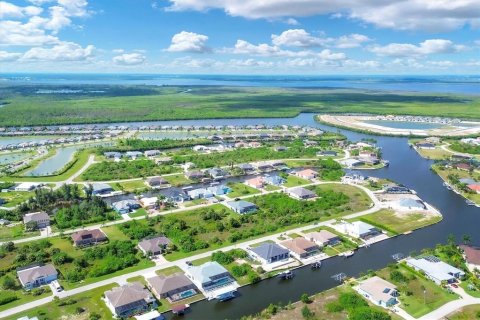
[340, 277]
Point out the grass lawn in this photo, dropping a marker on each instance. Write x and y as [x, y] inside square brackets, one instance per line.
[293, 181]
[130, 186]
[293, 235]
[14, 198]
[399, 223]
[113, 233]
[23, 297]
[300, 163]
[140, 279]
[65, 245]
[165, 306]
[195, 202]
[271, 187]
[168, 271]
[138, 213]
[177, 179]
[339, 248]
[434, 154]
[465, 313]
[473, 293]
[414, 303]
[201, 261]
[240, 190]
[89, 301]
[16, 232]
[359, 200]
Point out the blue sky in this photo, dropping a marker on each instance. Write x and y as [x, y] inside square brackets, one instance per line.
[241, 36]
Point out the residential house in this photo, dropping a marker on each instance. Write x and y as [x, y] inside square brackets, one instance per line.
[280, 148]
[37, 275]
[463, 166]
[301, 193]
[101, 189]
[217, 173]
[380, 292]
[174, 287]
[274, 180]
[263, 166]
[397, 190]
[257, 182]
[209, 276]
[425, 145]
[200, 193]
[88, 237]
[435, 269]
[410, 204]
[125, 206]
[219, 190]
[246, 168]
[350, 163]
[176, 195]
[129, 299]
[194, 175]
[360, 229]
[151, 153]
[327, 153]
[133, 154]
[154, 246]
[157, 182]
[270, 252]
[472, 257]
[241, 206]
[301, 248]
[27, 186]
[323, 238]
[278, 165]
[149, 202]
[308, 174]
[474, 187]
[40, 219]
[112, 155]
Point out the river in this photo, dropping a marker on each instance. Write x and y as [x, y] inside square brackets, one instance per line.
[406, 167]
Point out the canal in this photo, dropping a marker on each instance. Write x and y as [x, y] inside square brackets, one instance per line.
[406, 167]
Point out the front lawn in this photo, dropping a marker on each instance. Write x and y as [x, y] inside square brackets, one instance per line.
[130, 186]
[113, 233]
[177, 180]
[14, 198]
[138, 213]
[16, 232]
[294, 181]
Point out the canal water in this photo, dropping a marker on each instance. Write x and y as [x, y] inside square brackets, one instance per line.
[406, 167]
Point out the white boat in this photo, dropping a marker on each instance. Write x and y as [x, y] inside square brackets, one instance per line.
[470, 202]
[348, 254]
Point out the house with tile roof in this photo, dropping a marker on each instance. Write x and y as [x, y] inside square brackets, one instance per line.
[270, 252]
[36, 275]
[129, 299]
[173, 287]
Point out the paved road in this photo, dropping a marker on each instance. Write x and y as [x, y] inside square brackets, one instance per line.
[182, 262]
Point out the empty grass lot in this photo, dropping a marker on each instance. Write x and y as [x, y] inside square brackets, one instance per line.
[293, 181]
[16, 232]
[399, 223]
[240, 190]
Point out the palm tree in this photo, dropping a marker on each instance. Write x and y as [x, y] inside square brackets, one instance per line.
[467, 239]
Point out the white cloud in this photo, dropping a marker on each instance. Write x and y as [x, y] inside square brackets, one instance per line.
[427, 47]
[64, 51]
[250, 63]
[430, 15]
[9, 56]
[16, 33]
[9, 10]
[196, 63]
[292, 22]
[296, 38]
[129, 59]
[189, 42]
[351, 41]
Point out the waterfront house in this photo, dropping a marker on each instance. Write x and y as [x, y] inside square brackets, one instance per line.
[263, 166]
[359, 229]
[149, 202]
[474, 187]
[435, 269]
[308, 174]
[156, 182]
[301, 193]
[425, 145]
[380, 292]
[270, 252]
[125, 206]
[154, 246]
[246, 168]
[38, 219]
[323, 238]
[84, 238]
[410, 204]
[209, 276]
[257, 182]
[200, 193]
[173, 287]
[301, 248]
[397, 190]
[217, 173]
[350, 163]
[129, 299]
[151, 153]
[463, 166]
[101, 189]
[241, 206]
[327, 153]
[176, 195]
[219, 190]
[471, 255]
[274, 180]
[194, 175]
[133, 154]
[34, 276]
[112, 155]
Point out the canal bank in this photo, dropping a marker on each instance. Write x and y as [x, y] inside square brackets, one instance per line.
[406, 167]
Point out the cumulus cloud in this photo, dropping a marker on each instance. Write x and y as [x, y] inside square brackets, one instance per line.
[129, 59]
[9, 56]
[64, 51]
[430, 15]
[9, 10]
[189, 42]
[427, 47]
[296, 38]
[351, 41]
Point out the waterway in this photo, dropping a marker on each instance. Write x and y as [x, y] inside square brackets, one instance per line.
[406, 167]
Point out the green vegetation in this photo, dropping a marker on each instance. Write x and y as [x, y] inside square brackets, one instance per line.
[294, 181]
[143, 145]
[15, 232]
[14, 198]
[399, 223]
[240, 190]
[418, 295]
[453, 176]
[465, 148]
[177, 180]
[86, 305]
[164, 103]
[130, 186]
[125, 169]
[330, 170]
[466, 313]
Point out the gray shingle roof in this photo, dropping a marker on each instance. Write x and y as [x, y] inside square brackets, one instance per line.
[30, 274]
[269, 250]
[128, 294]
